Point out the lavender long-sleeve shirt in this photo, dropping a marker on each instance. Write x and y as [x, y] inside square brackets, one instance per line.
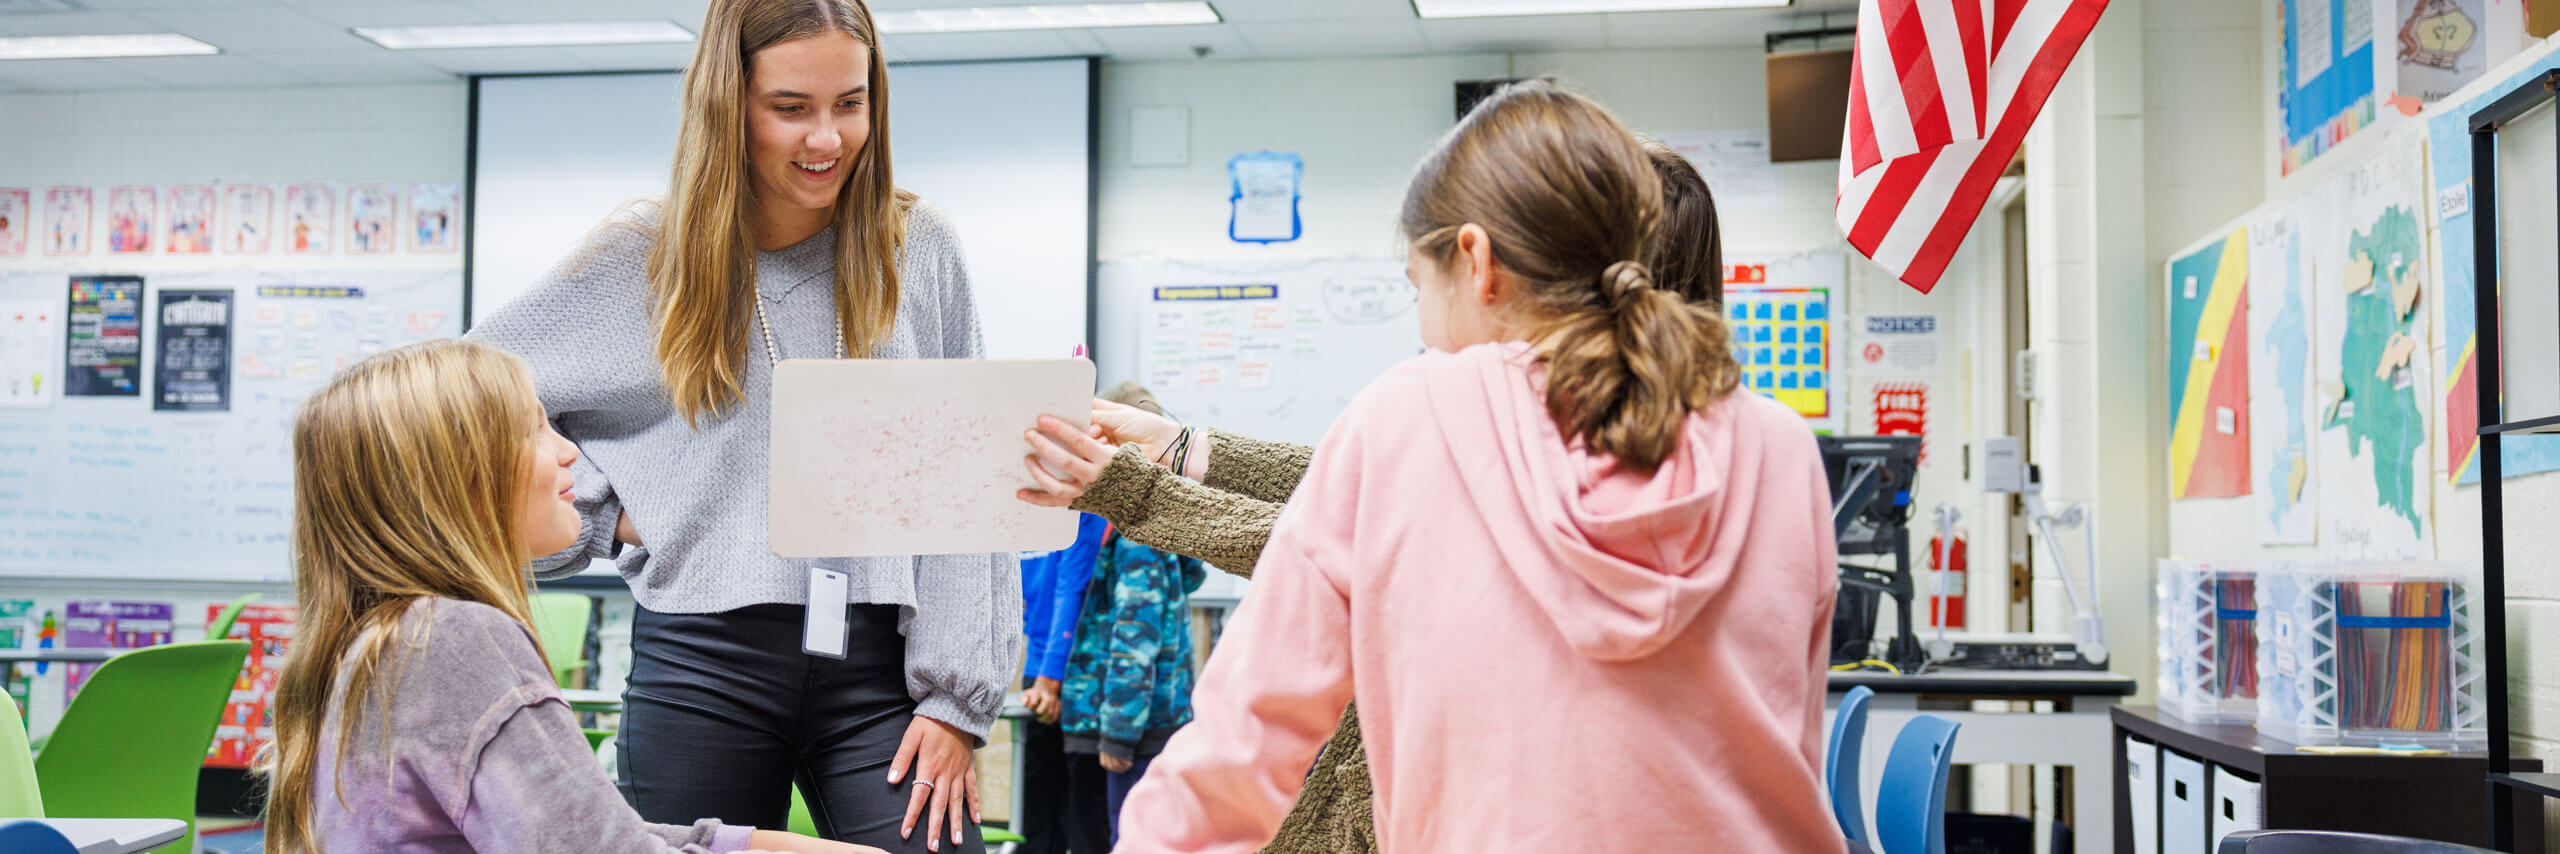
[484, 756]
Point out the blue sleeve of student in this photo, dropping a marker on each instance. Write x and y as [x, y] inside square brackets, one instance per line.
[1139, 604]
[1068, 577]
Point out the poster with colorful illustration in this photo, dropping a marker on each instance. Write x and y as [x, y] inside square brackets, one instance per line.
[17, 218]
[2324, 90]
[102, 355]
[112, 625]
[248, 217]
[435, 214]
[310, 217]
[66, 220]
[2283, 410]
[195, 352]
[132, 215]
[191, 214]
[2208, 360]
[2443, 44]
[28, 330]
[1782, 337]
[2457, 295]
[248, 723]
[373, 219]
[18, 631]
[2372, 359]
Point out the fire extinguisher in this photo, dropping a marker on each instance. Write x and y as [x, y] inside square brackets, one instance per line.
[1946, 580]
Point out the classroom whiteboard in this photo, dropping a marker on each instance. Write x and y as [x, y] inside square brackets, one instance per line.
[1004, 148]
[128, 487]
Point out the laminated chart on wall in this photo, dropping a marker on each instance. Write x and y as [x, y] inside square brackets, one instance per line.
[190, 476]
[248, 724]
[2283, 407]
[1781, 309]
[2325, 79]
[2372, 360]
[1277, 347]
[2456, 295]
[2208, 359]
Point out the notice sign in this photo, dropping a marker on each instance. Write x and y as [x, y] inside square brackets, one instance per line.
[195, 352]
[1898, 344]
[102, 354]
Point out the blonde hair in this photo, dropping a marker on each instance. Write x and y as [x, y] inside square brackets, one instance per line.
[1572, 203]
[1130, 393]
[702, 269]
[405, 472]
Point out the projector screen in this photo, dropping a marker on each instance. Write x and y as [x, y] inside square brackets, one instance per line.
[1004, 148]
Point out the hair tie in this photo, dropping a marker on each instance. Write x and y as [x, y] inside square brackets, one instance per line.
[1622, 281]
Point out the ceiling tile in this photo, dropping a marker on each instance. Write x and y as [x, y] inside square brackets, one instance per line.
[1721, 27]
[270, 27]
[1274, 39]
[513, 11]
[73, 24]
[421, 14]
[499, 60]
[353, 66]
[1499, 35]
[1310, 10]
[1145, 43]
[145, 5]
[633, 57]
[196, 72]
[937, 47]
[64, 75]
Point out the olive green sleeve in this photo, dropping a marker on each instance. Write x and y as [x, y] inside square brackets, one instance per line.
[1153, 506]
[1269, 471]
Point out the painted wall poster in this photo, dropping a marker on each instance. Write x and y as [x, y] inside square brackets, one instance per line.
[17, 219]
[2457, 294]
[66, 220]
[373, 219]
[195, 352]
[2283, 411]
[102, 355]
[248, 218]
[190, 221]
[133, 215]
[2443, 44]
[435, 216]
[2324, 90]
[248, 724]
[2208, 359]
[112, 625]
[310, 218]
[2372, 361]
[27, 378]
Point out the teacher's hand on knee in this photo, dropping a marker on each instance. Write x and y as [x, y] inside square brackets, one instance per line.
[946, 781]
[781, 842]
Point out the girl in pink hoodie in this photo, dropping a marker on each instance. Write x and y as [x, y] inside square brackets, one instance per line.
[1580, 587]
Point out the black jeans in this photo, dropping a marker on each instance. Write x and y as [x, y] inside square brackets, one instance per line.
[1064, 809]
[725, 713]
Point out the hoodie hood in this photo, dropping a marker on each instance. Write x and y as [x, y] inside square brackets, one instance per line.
[1620, 561]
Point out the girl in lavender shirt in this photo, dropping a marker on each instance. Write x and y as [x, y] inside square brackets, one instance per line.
[417, 714]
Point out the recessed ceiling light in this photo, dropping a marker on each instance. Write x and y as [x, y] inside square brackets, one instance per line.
[95, 47]
[1498, 8]
[525, 35]
[1063, 16]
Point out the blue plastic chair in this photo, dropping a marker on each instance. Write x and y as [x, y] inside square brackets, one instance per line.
[2335, 842]
[33, 837]
[1841, 767]
[1911, 808]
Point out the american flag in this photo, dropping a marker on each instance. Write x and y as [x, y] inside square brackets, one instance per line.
[1940, 93]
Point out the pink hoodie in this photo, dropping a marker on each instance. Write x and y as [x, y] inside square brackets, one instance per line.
[1549, 654]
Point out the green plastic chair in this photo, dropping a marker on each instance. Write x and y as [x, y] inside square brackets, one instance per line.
[19, 797]
[560, 623]
[130, 744]
[220, 628]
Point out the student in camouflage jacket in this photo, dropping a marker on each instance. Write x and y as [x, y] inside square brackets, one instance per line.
[1129, 677]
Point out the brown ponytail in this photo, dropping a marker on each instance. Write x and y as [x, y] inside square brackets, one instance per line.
[1571, 200]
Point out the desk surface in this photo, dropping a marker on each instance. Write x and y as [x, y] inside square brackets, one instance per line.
[71, 655]
[590, 697]
[116, 835]
[1991, 683]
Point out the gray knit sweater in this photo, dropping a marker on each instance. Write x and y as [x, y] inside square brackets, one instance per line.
[697, 496]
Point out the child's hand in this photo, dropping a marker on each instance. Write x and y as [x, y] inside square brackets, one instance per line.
[779, 842]
[1042, 699]
[946, 778]
[1121, 425]
[1079, 456]
[1115, 764]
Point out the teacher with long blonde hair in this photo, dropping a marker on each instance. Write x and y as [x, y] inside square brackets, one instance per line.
[782, 236]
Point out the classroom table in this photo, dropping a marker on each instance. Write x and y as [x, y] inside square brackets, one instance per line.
[15, 656]
[2068, 728]
[591, 700]
[115, 835]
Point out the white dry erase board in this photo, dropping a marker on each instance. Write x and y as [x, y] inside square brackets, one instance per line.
[916, 456]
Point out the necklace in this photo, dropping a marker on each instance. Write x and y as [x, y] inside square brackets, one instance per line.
[773, 354]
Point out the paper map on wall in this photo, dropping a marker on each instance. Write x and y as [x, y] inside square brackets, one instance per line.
[2449, 137]
[2373, 361]
[2282, 409]
[2209, 370]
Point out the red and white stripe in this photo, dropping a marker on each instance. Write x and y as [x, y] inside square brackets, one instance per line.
[1940, 93]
